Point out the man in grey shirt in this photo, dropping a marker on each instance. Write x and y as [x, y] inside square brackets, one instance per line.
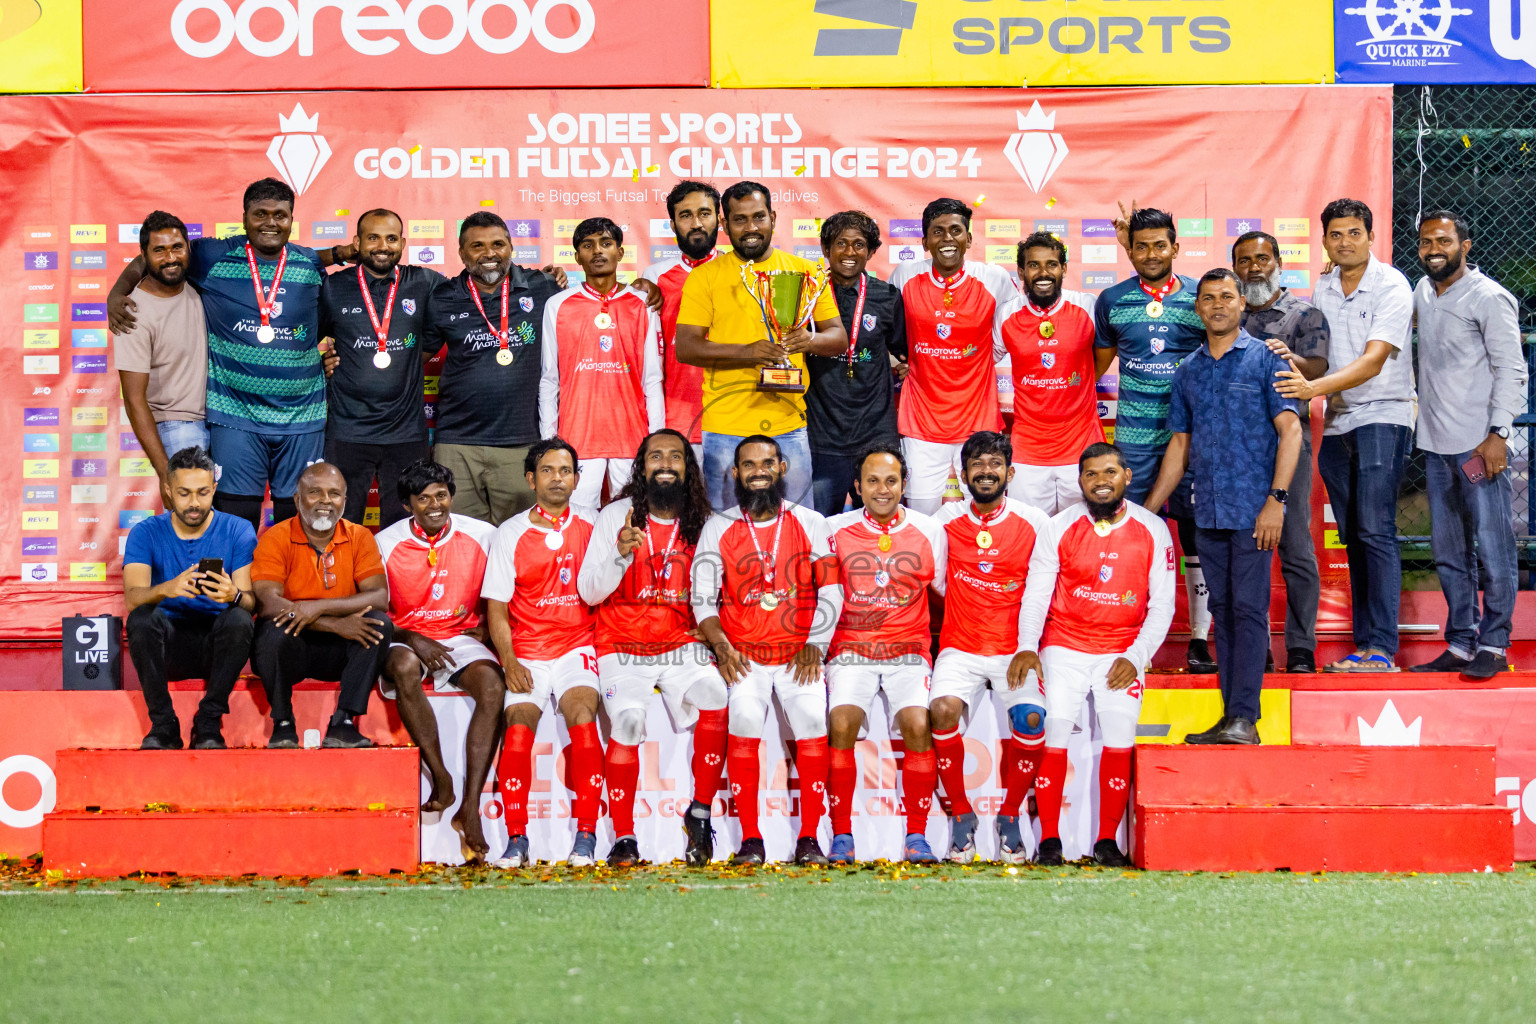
[1473, 374]
[1296, 331]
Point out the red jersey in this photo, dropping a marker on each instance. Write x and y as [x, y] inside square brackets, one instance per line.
[642, 601]
[885, 593]
[682, 385]
[1106, 594]
[738, 562]
[984, 586]
[952, 350]
[1055, 405]
[538, 584]
[434, 585]
[600, 386]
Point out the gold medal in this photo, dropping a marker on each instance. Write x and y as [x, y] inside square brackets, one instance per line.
[1102, 527]
[984, 539]
[1047, 328]
[884, 543]
[1154, 309]
[504, 357]
[768, 602]
[602, 321]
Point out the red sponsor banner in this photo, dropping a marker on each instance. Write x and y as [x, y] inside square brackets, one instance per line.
[250, 45]
[1504, 719]
[1222, 160]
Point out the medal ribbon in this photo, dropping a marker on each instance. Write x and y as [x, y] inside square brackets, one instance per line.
[858, 318]
[768, 563]
[1159, 294]
[690, 262]
[474, 293]
[265, 300]
[381, 330]
[431, 542]
[986, 520]
[1046, 314]
[559, 522]
[948, 284]
[883, 529]
[666, 553]
[600, 297]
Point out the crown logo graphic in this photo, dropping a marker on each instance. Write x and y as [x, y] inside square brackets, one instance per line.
[299, 151]
[1036, 150]
[1389, 730]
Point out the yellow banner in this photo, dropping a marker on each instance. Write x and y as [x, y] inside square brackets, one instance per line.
[828, 43]
[40, 46]
[1167, 716]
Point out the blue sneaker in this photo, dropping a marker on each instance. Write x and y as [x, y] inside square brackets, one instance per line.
[917, 850]
[516, 855]
[842, 849]
[584, 851]
[962, 838]
[1010, 844]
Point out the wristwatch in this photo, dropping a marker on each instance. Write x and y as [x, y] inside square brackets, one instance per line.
[1501, 431]
[1279, 494]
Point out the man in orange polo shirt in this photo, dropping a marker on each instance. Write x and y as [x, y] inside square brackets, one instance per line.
[321, 593]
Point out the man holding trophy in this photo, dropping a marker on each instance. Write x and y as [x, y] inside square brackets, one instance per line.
[749, 318]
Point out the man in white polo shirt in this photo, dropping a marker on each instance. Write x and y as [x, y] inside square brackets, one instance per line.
[1368, 431]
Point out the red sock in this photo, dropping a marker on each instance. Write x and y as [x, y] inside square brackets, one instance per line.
[919, 774]
[621, 773]
[842, 779]
[514, 770]
[741, 757]
[584, 768]
[1114, 788]
[949, 751]
[709, 738]
[1021, 764]
[1048, 786]
[811, 762]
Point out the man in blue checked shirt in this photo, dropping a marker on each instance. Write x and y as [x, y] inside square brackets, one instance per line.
[1242, 439]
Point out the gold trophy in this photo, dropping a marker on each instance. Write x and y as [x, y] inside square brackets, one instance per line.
[787, 300]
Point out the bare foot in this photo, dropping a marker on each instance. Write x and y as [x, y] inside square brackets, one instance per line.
[442, 795]
[471, 840]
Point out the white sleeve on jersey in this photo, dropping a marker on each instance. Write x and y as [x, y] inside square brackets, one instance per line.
[707, 575]
[500, 565]
[390, 537]
[1044, 564]
[549, 376]
[905, 272]
[1043, 536]
[602, 569]
[1082, 300]
[1161, 585]
[651, 376]
[1005, 294]
[938, 539]
[829, 597]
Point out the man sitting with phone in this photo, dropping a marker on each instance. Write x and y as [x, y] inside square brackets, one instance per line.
[187, 584]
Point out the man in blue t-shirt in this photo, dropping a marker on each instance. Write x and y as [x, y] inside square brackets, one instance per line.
[266, 384]
[185, 621]
[1149, 321]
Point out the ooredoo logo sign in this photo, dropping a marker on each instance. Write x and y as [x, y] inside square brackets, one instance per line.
[224, 45]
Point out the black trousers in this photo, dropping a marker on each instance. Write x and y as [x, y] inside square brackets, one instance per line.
[282, 660]
[165, 649]
[361, 463]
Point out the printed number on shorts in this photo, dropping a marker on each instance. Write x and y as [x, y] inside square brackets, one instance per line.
[589, 663]
[1135, 689]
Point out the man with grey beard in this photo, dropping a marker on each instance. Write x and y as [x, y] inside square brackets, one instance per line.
[321, 594]
[1295, 330]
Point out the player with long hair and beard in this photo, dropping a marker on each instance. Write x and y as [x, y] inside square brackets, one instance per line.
[636, 574]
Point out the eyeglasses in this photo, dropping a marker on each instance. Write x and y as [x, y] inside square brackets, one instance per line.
[324, 562]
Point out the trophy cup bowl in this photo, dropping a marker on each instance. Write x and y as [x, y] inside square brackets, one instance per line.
[787, 300]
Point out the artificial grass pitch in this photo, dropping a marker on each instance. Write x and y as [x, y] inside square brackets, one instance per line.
[867, 944]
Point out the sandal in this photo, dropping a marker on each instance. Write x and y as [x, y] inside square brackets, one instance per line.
[1348, 663]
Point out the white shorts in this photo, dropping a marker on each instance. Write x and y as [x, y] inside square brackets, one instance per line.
[856, 681]
[969, 676]
[687, 678]
[929, 466]
[1069, 677]
[1048, 488]
[804, 706]
[466, 650]
[589, 486]
[552, 680]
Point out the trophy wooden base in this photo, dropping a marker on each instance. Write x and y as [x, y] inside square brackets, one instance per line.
[784, 379]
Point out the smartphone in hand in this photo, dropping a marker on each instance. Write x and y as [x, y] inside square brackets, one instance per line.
[207, 565]
[1475, 468]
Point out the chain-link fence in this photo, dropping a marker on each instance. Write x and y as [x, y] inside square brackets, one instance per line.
[1470, 149]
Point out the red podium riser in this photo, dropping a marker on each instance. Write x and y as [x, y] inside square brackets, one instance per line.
[272, 842]
[128, 780]
[1314, 776]
[1429, 839]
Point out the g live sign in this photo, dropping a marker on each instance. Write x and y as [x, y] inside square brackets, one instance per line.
[251, 45]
